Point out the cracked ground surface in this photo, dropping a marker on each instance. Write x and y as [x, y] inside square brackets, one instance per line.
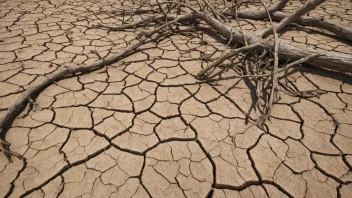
[145, 127]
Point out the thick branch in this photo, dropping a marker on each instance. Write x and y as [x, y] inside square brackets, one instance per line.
[328, 60]
[340, 30]
[294, 16]
[261, 14]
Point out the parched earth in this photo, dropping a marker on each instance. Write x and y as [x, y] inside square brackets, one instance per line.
[145, 127]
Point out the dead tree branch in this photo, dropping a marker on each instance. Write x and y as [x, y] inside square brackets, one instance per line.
[329, 60]
[23, 99]
[344, 32]
[261, 14]
[294, 16]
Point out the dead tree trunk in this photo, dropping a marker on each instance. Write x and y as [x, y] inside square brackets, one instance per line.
[327, 60]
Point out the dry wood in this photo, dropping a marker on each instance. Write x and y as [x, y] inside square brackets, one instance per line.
[300, 61]
[218, 22]
[290, 65]
[23, 99]
[227, 55]
[343, 31]
[275, 78]
[328, 60]
[261, 14]
[294, 16]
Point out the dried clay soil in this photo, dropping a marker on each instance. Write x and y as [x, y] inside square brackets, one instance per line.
[145, 127]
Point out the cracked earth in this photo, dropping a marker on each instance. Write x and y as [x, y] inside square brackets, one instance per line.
[145, 127]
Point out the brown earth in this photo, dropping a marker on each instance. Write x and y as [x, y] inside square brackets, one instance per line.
[145, 127]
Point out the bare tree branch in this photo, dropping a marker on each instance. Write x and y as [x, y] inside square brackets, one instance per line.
[294, 16]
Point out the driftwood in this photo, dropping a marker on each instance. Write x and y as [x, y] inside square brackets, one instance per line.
[173, 12]
[286, 21]
[344, 32]
[327, 60]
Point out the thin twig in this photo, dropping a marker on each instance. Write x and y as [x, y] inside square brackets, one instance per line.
[225, 56]
[135, 24]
